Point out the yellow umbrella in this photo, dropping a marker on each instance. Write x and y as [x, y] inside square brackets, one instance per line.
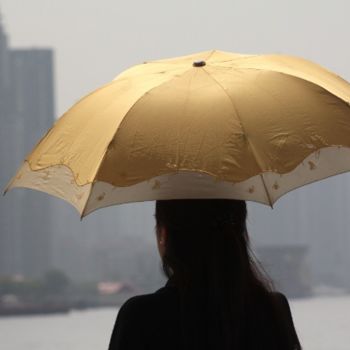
[208, 125]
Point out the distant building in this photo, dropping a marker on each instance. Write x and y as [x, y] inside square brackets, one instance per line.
[315, 216]
[27, 111]
[5, 155]
[32, 92]
[286, 266]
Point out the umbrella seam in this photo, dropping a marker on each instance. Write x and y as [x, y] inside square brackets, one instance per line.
[313, 83]
[210, 54]
[126, 114]
[243, 129]
[87, 200]
[347, 102]
[239, 119]
[265, 187]
[124, 75]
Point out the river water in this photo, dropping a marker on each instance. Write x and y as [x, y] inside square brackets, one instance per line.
[322, 323]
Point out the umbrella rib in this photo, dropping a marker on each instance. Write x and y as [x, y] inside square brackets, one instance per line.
[251, 147]
[295, 76]
[266, 190]
[210, 54]
[86, 203]
[240, 121]
[126, 114]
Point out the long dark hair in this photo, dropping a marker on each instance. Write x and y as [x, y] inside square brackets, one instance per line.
[224, 294]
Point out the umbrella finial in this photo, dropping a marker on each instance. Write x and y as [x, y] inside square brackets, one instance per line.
[198, 63]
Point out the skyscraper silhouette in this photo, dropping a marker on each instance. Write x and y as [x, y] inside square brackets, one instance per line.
[27, 111]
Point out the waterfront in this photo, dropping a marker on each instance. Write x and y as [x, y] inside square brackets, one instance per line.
[323, 323]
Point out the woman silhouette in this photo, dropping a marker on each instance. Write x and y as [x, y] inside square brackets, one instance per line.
[215, 297]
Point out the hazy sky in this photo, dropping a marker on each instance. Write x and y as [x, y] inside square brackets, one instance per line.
[95, 40]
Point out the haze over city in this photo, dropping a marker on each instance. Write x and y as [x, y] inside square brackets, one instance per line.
[90, 44]
[75, 47]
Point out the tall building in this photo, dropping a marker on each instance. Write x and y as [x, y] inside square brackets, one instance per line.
[27, 112]
[5, 155]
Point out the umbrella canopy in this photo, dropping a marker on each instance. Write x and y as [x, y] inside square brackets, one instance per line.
[208, 125]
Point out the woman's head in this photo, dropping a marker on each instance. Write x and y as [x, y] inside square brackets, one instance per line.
[198, 235]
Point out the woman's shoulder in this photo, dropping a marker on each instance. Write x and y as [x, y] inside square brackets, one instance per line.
[269, 301]
[282, 302]
[279, 295]
[266, 307]
[166, 298]
[143, 317]
[145, 303]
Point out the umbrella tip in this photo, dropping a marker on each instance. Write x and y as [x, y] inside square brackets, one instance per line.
[198, 63]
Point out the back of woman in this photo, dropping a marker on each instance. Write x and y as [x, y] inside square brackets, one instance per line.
[223, 299]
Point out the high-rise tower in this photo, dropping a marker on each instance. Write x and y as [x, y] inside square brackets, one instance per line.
[27, 111]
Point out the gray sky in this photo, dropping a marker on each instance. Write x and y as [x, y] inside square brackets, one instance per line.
[95, 40]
